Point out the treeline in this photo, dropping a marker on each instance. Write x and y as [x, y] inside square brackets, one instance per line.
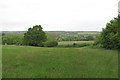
[12, 39]
[36, 37]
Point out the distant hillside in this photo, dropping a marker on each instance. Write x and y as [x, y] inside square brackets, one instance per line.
[58, 33]
[63, 35]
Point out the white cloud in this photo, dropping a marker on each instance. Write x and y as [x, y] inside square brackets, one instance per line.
[57, 14]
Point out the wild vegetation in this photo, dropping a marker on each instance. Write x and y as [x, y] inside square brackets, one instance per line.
[51, 39]
[61, 54]
[109, 37]
[55, 62]
[59, 35]
[12, 39]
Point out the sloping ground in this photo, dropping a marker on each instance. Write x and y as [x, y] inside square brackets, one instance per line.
[42, 62]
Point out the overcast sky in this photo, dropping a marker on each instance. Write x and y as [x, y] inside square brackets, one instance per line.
[57, 15]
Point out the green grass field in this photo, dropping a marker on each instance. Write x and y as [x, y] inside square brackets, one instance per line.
[71, 42]
[78, 43]
[55, 62]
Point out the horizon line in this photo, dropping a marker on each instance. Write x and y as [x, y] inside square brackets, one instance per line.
[61, 30]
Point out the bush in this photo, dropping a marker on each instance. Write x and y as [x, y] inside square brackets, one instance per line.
[74, 44]
[51, 43]
[83, 44]
[109, 37]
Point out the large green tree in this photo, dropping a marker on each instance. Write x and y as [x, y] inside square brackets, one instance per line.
[35, 36]
[110, 37]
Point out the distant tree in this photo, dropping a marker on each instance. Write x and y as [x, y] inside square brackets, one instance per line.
[74, 44]
[51, 43]
[35, 36]
[89, 38]
[12, 39]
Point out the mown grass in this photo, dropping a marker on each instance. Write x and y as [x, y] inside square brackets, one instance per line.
[43, 62]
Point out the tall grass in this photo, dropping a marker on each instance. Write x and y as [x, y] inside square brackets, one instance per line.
[42, 62]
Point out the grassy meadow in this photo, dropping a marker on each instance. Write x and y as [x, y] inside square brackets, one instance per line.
[72, 42]
[77, 43]
[58, 62]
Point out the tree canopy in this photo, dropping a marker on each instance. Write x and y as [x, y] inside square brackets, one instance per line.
[109, 37]
[35, 36]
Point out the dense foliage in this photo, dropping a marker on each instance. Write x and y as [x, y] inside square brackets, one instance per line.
[12, 39]
[51, 43]
[35, 36]
[109, 37]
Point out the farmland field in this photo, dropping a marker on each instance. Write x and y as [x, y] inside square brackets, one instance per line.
[71, 42]
[55, 62]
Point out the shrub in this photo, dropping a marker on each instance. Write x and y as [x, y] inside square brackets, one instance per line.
[74, 44]
[51, 43]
